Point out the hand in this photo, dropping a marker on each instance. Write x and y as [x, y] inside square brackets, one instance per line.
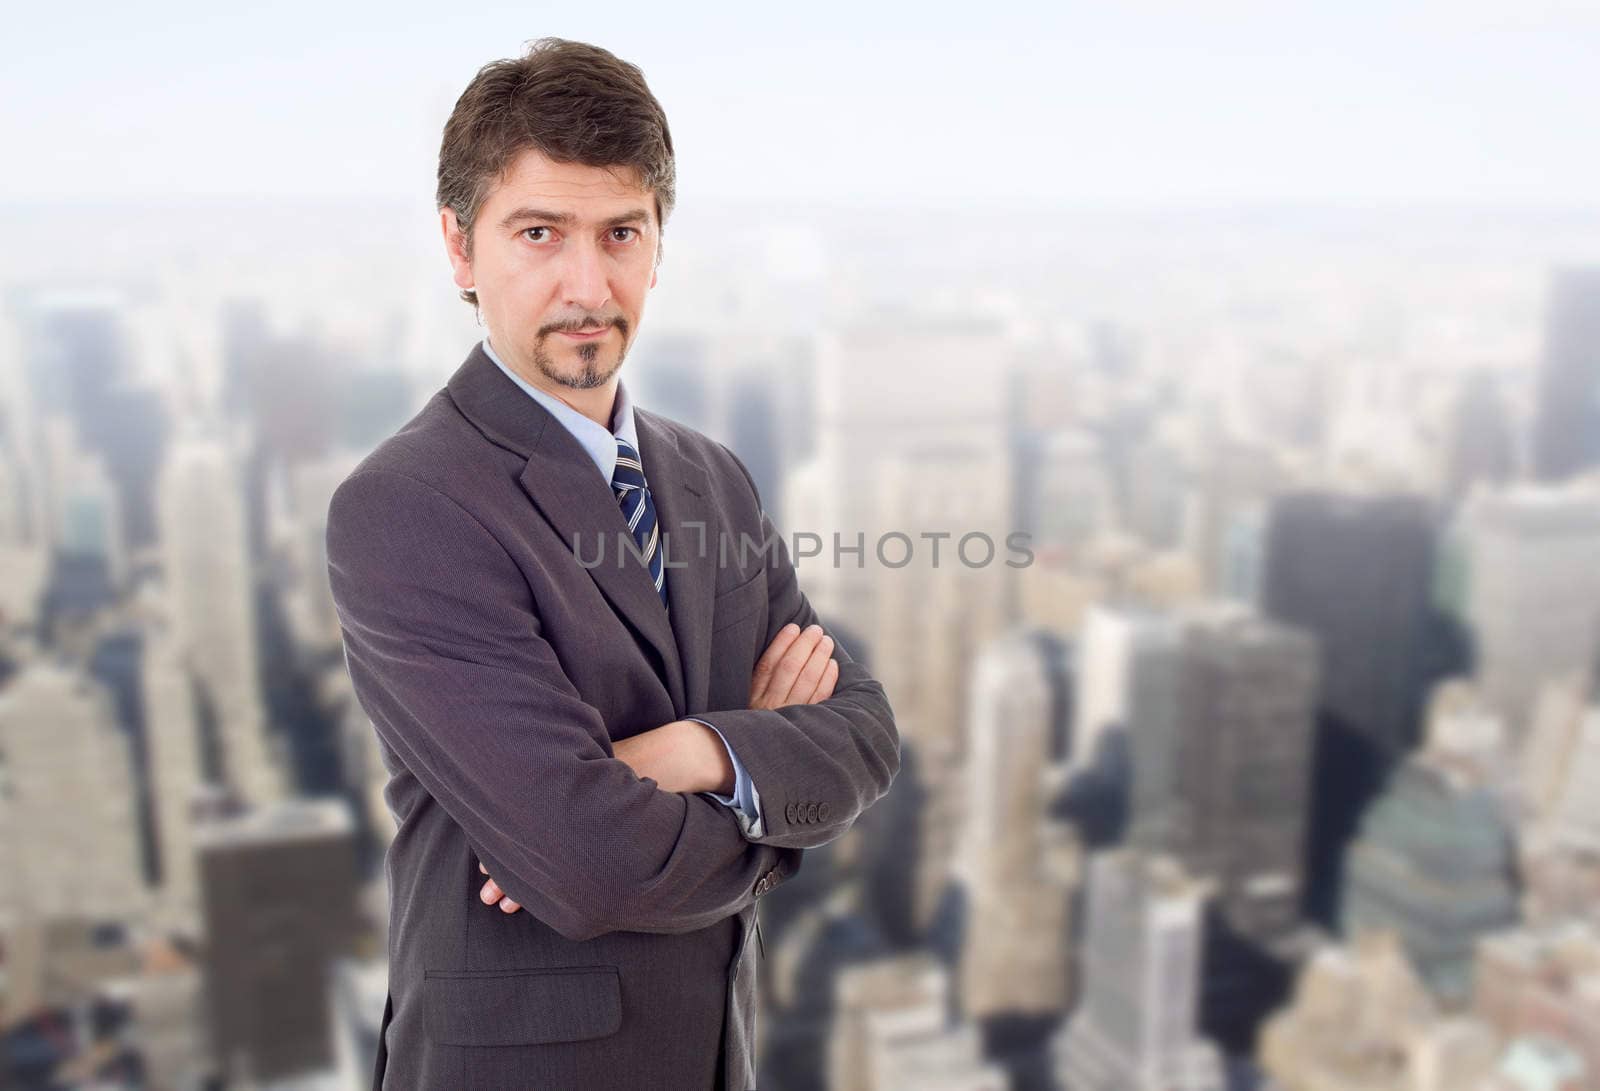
[685, 756]
[491, 893]
[797, 668]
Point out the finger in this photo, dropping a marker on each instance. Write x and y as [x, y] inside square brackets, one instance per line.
[769, 659]
[508, 906]
[482, 868]
[491, 892]
[805, 683]
[830, 676]
[789, 667]
[762, 675]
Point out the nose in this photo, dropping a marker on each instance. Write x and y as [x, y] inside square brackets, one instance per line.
[586, 283]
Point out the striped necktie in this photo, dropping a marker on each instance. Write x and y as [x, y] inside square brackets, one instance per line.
[627, 481]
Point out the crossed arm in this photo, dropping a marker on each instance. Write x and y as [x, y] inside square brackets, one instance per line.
[687, 756]
[446, 653]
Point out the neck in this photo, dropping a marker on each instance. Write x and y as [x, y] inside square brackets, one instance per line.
[597, 403]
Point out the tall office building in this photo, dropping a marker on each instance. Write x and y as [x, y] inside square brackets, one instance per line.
[1533, 589]
[74, 880]
[1354, 572]
[204, 535]
[1135, 1029]
[1434, 862]
[1222, 723]
[71, 823]
[1222, 718]
[1019, 868]
[1566, 435]
[278, 886]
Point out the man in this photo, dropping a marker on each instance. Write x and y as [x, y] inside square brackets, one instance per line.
[632, 751]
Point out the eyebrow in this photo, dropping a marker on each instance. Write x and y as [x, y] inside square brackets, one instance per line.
[566, 219]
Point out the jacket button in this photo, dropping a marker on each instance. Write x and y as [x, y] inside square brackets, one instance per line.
[788, 812]
[822, 813]
[811, 813]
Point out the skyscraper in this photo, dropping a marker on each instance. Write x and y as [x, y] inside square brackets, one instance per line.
[1533, 589]
[278, 885]
[1566, 437]
[1222, 718]
[204, 536]
[1354, 571]
[71, 821]
[1135, 1028]
[1434, 863]
[1222, 721]
[1020, 868]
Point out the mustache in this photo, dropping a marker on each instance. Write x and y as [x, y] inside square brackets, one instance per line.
[585, 325]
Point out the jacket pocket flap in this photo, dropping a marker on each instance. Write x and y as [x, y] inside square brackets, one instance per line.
[738, 603]
[522, 1007]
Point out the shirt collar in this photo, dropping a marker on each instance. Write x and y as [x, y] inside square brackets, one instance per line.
[600, 444]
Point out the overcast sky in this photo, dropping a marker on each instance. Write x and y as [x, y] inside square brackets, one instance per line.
[1148, 102]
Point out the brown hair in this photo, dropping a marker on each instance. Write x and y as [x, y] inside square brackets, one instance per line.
[575, 103]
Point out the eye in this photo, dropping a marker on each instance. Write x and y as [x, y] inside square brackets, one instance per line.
[630, 233]
[528, 229]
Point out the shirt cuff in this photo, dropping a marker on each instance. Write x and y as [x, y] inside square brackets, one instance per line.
[745, 800]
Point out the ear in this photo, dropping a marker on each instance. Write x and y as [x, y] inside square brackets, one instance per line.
[455, 248]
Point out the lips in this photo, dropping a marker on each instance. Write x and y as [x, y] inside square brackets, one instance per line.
[585, 335]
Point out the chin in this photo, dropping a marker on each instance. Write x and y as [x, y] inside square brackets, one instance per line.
[577, 372]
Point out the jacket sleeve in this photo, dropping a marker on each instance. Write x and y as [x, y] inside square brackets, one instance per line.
[444, 646]
[745, 800]
[816, 767]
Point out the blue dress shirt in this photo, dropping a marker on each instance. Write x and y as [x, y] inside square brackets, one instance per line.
[601, 446]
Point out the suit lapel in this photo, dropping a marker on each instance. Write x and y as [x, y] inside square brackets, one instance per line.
[561, 481]
[690, 533]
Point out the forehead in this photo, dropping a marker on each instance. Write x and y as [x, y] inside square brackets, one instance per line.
[586, 193]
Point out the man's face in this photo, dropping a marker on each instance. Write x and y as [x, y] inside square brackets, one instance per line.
[563, 256]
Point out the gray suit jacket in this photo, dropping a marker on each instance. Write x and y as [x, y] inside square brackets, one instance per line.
[498, 666]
